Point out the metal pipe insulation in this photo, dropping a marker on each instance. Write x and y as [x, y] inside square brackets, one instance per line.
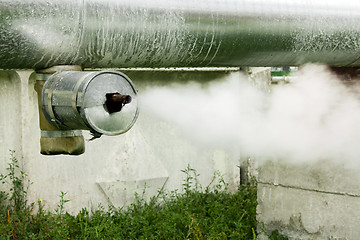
[37, 34]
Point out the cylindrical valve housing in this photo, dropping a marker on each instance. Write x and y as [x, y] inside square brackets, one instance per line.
[103, 102]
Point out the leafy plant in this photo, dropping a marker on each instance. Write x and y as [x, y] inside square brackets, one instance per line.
[18, 183]
[194, 213]
[14, 206]
[275, 235]
[191, 180]
[60, 206]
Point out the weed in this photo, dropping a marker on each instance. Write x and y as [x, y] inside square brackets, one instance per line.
[17, 217]
[212, 213]
[191, 180]
[275, 235]
[60, 207]
[18, 184]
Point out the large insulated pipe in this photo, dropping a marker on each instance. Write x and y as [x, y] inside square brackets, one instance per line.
[36, 34]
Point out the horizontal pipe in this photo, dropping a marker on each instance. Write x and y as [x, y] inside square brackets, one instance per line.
[36, 34]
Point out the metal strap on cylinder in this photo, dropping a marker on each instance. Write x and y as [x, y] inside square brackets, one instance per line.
[49, 106]
[75, 95]
[46, 77]
[59, 134]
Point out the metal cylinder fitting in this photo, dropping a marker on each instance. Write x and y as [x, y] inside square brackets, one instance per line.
[95, 101]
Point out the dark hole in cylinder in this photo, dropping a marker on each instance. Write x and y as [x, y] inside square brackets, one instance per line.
[116, 101]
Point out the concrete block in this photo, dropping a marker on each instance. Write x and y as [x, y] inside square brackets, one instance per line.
[308, 214]
[309, 200]
[324, 176]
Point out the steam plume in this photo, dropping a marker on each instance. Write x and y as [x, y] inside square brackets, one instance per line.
[315, 118]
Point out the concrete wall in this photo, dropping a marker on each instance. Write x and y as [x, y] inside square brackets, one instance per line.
[309, 201]
[303, 201]
[153, 152]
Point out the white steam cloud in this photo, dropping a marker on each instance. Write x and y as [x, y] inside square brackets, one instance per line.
[315, 118]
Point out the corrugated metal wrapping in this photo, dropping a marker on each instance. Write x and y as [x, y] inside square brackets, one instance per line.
[178, 33]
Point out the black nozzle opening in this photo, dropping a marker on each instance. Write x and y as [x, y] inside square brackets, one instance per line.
[116, 101]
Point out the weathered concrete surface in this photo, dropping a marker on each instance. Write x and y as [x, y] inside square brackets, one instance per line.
[323, 176]
[309, 201]
[10, 117]
[112, 169]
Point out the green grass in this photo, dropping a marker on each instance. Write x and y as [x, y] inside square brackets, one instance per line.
[195, 212]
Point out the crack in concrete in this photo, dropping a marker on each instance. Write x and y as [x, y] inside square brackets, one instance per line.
[311, 190]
